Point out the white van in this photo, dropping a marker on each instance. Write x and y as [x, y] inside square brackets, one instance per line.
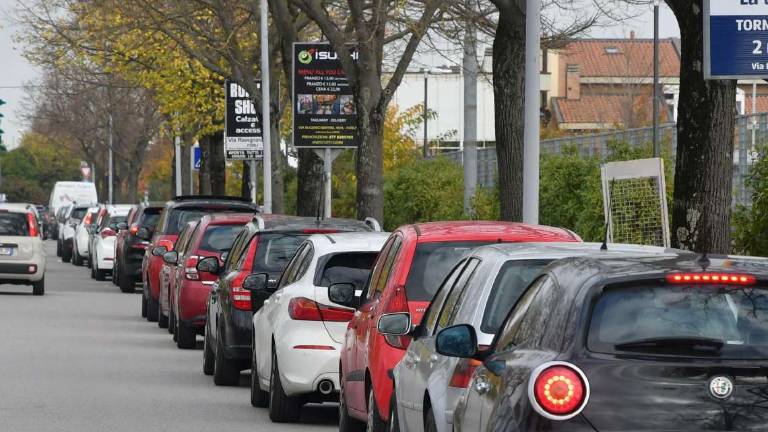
[72, 192]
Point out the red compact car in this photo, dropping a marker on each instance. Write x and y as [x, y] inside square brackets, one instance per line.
[412, 264]
[168, 274]
[189, 289]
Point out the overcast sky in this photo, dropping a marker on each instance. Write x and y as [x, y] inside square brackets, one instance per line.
[16, 72]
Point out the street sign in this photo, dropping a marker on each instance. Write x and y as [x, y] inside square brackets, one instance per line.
[198, 158]
[735, 39]
[242, 130]
[326, 114]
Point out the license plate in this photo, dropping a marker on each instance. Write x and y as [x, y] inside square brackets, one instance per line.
[6, 251]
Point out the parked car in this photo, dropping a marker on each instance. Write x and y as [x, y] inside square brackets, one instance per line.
[265, 245]
[298, 331]
[480, 291]
[22, 257]
[407, 274]
[75, 214]
[103, 246]
[176, 213]
[675, 342]
[61, 219]
[130, 246]
[168, 273]
[82, 238]
[213, 238]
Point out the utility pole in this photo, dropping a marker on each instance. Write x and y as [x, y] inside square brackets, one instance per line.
[177, 158]
[266, 124]
[656, 146]
[532, 112]
[110, 186]
[426, 116]
[192, 170]
[470, 115]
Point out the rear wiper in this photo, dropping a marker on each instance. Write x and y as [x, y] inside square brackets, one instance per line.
[707, 345]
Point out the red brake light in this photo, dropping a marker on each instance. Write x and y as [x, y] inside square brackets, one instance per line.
[88, 218]
[558, 390]
[304, 309]
[462, 374]
[241, 297]
[167, 243]
[712, 278]
[32, 225]
[190, 268]
[397, 303]
[134, 229]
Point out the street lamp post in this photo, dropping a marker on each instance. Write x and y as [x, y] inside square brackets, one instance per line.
[426, 116]
[656, 146]
[532, 112]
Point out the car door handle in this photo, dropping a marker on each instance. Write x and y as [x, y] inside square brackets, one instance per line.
[482, 385]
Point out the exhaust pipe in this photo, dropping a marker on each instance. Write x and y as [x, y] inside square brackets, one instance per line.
[325, 387]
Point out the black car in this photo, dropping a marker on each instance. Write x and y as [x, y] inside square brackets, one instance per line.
[673, 342]
[130, 247]
[265, 245]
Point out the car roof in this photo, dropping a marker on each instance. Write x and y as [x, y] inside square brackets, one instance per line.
[488, 231]
[112, 208]
[18, 207]
[558, 250]
[348, 241]
[274, 222]
[226, 218]
[194, 200]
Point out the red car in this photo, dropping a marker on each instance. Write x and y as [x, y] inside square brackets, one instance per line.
[412, 264]
[175, 215]
[189, 289]
[168, 272]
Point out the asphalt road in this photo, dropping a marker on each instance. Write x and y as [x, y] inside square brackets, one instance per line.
[82, 359]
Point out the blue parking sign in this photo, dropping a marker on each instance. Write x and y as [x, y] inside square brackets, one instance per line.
[198, 157]
[735, 39]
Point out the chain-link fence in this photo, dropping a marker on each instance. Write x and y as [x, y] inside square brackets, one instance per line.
[598, 145]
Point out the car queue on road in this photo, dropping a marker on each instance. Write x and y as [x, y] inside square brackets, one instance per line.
[444, 326]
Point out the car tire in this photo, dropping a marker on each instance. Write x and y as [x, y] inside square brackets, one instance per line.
[394, 419]
[89, 261]
[59, 249]
[38, 288]
[77, 261]
[66, 256]
[186, 336]
[172, 325]
[375, 422]
[259, 398]
[152, 308]
[209, 358]
[282, 408]
[143, 306]
[225, 372]
[162, 320]
[101, 275]
[346, 422]
[127, 285]
[429, 421]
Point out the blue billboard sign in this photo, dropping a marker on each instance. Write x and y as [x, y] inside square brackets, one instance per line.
[198, 158]
[735, 39]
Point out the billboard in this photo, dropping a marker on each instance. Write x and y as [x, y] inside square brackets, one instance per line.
[325, 114]
[242, 130]
[735, 39]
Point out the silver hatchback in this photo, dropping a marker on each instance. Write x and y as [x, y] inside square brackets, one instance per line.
[22, 257]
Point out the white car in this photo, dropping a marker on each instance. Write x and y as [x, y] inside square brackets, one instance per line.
[81, 246]
[104, 236]
[22, 258]
[298, 332]
[480, 291]
[67, 231]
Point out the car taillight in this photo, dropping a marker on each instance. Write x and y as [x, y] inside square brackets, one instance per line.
[397, 303]
[304, 309]
[88, 219]
[134, 229]
[32, 225]
[107, 232]
[167, 243]
[462, 374]
[190, 268]
[711, 278]
[558, 390]
[241, 297]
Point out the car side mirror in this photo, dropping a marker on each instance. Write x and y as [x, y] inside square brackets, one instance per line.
[258, 285]
[122, 226]
[224, 256]
[457, 341]
[395, 324]
[143, 233]
[209, 265]
[171, 257]
[159, 251]
[343, 294]
[113, 227]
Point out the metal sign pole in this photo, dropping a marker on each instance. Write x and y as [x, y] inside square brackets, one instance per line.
[532, 110]
[111, 165]
[254, 182]
[328, 155]
[191, 170]
[177, 149]
[265, 113]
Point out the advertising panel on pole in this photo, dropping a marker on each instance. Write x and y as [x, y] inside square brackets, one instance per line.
[197, 158]
[242, 130]
[325, 114]
[735, 39]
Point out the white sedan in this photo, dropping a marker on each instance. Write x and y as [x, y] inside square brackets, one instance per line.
[103, 252]
[82, 237]
[298, 332]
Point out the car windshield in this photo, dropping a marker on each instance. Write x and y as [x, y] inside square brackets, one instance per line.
[275, 250]
[150, 217]
[78, 213]
[512, 280]
[179, 217]
[676, 320]
[351, 267]
[219, 238]
[13, 224]
[431, 265]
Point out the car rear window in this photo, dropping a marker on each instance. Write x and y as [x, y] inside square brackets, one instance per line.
[13, 224]
[349, 267]
[219, 238]
[179, 217]
[512, 280]
[117, 220]
[150, 217]
[78, 213]
[275, 250]
[431, 264]
[669, 320]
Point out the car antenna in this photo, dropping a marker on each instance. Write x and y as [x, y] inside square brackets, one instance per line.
[604, 246]
[320, 206]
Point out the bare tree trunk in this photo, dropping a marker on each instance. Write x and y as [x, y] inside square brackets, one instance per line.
[205, 165]
[370, 158]
[218, 164]
[278, 181]
[701, 211]
[509, 92]
[310, 183]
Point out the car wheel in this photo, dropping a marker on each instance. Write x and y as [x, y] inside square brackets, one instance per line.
[225, 372]
[38, 288]
[66, 256]
[101, 275]
[259, 398]
[375, 423]
[93, 268]
[186, 337]
[89, 261]
[346, 422]
[172, 325]
[162, 320]
[152, 308]
[429, 421]
[394, 419]
[143, 306]
[59, 249]
[127, 285]
[76, 260]
[209, 358]
[282, 408]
